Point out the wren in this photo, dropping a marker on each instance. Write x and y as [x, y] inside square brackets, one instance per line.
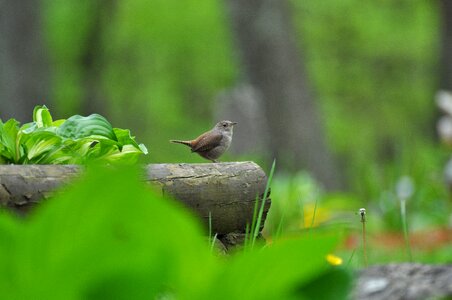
[212, 144]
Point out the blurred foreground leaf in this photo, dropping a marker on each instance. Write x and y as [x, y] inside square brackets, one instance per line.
[111, 237]
[102, 237]
[282, 270]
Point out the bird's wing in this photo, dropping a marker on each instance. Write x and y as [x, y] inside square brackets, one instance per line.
[207, 141]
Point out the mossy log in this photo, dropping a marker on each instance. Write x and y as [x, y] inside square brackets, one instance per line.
[225, 191]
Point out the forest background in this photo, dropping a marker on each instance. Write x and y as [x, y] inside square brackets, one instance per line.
[341, 93]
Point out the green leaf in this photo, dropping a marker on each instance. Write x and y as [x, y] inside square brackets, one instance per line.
[42, 117]
[57, 156]
[10, 230]
[125, 138]
[129, 155]
[28, 128]
[90, 148]
[77, 127]
[112, 237]
[77, 140]
[107, 150]
[8, 138]
[38, 143]
[58, 123]
[339, 282]
[276, 271]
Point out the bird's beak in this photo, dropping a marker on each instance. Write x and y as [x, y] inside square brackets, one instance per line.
[233, 123]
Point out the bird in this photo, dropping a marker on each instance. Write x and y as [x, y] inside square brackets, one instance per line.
[211, 144]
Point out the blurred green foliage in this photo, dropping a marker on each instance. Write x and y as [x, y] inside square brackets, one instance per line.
[372, 66]
[163, 62]
[299, 203]
[295, 197]
[160, 61]
[117, 239]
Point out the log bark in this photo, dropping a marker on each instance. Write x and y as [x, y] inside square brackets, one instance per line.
[227, 191]
[21, 187]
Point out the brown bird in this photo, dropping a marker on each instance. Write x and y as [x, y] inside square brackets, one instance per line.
[212, 144]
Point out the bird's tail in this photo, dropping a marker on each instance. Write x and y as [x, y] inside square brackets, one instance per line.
[188, 143]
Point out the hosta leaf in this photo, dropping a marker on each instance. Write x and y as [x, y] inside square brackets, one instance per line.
[2, 158]
[143, 148]
[128, 154]
[125, 138]
[39, 143]
[8, 138]
[42, 117]
[90, 148]
[57, 156]
[77, 127]
[28, 128]
[102, 148]
[76, 140]
[58, 123]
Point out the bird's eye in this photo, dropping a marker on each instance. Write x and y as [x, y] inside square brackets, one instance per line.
[224, 125]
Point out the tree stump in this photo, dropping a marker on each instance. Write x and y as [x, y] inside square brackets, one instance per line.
[225, 191]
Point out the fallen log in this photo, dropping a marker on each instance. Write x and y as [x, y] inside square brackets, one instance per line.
[23, 186]
[224, 191]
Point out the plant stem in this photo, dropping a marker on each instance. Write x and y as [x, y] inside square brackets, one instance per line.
[405, 229]
[362, 212]
[254, 219]
[364, 244]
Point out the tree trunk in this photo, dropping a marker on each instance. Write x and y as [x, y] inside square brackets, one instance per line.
[23, 61]
[225, 191]
[267, 44]
[446, 46]
[92, 58]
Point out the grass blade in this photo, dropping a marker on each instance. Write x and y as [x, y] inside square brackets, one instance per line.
[405, 229]
[313, 214]
[261, 209]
